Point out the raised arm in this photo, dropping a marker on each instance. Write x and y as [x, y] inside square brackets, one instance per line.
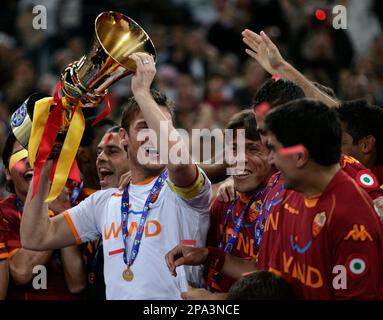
[185, 173]
[72, 262]
[262, 49]
[38, 231]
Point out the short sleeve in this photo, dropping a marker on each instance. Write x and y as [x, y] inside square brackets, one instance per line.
[201, 201]
[357, 239]
[84, 218]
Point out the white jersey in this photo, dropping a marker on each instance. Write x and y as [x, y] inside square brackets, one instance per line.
[171, 219]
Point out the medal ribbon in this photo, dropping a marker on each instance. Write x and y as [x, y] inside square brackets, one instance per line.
[125, 213]
[231, 242]
[264, 213]
[76, 193]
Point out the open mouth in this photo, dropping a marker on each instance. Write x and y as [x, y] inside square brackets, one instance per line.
[104, 173]
[242, 173]
[28, 175]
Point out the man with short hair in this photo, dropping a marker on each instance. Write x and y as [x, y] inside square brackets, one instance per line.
[233, 223]
[111, 164]
[111, 159]
[162, 206]
[362, 136]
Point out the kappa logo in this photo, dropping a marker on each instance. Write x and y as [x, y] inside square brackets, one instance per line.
[348, 160]
[291, 209]
[358, 233]
[318, 223]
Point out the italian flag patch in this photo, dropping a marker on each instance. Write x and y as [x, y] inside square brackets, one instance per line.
[366, 179]
[356, 265]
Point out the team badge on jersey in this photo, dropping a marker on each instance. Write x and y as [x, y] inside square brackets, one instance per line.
[254, 210]
[356, 265]
[318, 223]
[366, 179]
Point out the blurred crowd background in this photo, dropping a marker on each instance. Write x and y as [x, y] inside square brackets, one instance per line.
[201, 63]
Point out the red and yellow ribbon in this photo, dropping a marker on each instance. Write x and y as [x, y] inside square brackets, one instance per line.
[48, 118]
[45, 127]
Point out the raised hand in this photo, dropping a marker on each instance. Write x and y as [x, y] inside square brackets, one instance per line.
[263, 50]
[145, 72]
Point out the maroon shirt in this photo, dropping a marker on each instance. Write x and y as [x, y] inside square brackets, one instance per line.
[56, 285]
[244, 246]
[3, 239]
[311, 236]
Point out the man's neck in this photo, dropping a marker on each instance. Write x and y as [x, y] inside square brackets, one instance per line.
[317, 179]
[245, 196]
[139, 174]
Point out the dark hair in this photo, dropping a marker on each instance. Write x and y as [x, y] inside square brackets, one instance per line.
[132, 108]
[7, 152]
[261, 285]
[277, 92]
[310, 123]
[361, 119]
[8, 147]
[245, 120]
[90, 133]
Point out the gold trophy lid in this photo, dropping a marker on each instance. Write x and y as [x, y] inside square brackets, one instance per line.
[120, 36]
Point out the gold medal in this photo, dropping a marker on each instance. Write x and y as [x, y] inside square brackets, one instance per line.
[127, 274]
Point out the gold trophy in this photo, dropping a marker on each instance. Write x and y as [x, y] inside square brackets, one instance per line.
[83, 83]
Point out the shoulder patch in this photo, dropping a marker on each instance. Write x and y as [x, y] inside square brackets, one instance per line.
[366, 179]
[357, 265]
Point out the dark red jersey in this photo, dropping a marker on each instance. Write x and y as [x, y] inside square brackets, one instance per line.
[56, 285]
[3, 239]
[244, 245]
[271, 212]
[321, 239]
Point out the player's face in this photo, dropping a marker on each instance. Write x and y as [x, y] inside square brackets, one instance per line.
[256, 166]
[20, 173]
[285, 164]
[111, 161]
[349, 148]
[142, 143]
